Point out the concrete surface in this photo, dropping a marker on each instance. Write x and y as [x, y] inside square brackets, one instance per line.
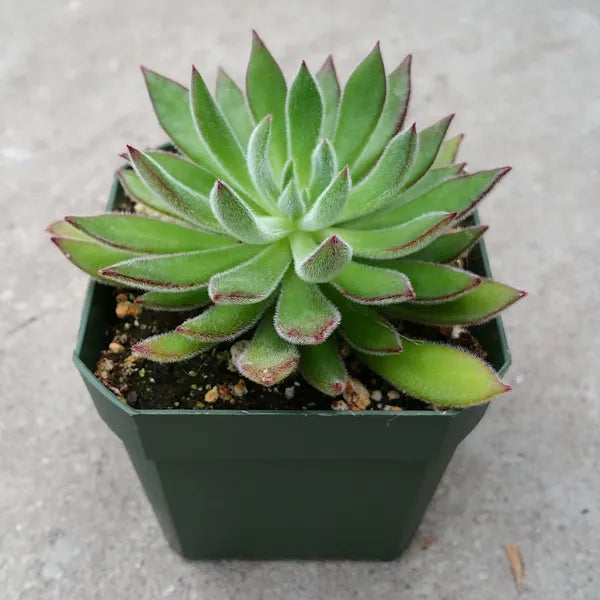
[524, 80]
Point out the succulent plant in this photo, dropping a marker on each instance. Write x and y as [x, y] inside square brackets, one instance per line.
[308, 215]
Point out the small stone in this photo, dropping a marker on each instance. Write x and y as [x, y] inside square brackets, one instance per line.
[240, 389]
[376, 395]
[393, 395]
[289, 392]
[152, 380]
[297, 383]
[194, 386]
[212, 395]
[142, 372]
[127, 309]
[393, 408]
[122, 297]
[356, 395]
[132, 398]
[116, 347]
[339, 405]
[192, 373]
[224, 392]
[457, 331]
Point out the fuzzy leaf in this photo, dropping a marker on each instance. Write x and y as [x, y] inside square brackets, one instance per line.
[169, 347]
[254, 280]
[304, 113]
[477, 306]
[290, 202]
[360, 107]
[441, 375]
[173, 300]
[322, 366]
[324, 168]
[330, 204]
[268, 358]
[223, 322]
[330, 90]
[434, 283]
[318, 264]
[90, 256]
[258, 161]
[447, 152]
[138, 191]
[390, 121]
[216, 131]
[172, 107]
[62, 229]
[451, 244]
[267, 91]
[384, 181]
[146, 235]
[364, 328]
[232, 102]
[372, 285]
[288, 173]
[177, 272]
[304, 315]
[395, 241]
[429, 141]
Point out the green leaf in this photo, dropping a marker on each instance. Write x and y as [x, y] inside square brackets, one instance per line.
[384, 181]
[173, 300]
[267, 91]
[181, 185]
[460, 195]
[216, 131]
[441, 375]
[177, 272]
[172, 106]
[232, 102]
[390, 121]
[372, 285]
[290, 202]
[254, 280]
[146, 235]
[360, 107]
[259, 164]
[304, 315]
[329, 205]
[434, 283]
[429, 143]
[330, 89]
[364, 328]
[223, 322]
[322, 366]
[268, 359]
[447, 152]
[395, 241]
[324, 168]
[138, 191]
[451, 244]
[477, 306]
[90, 256]
[304, 112]
[169, 347]
[62, 229]
[288, 173]
[318, 264]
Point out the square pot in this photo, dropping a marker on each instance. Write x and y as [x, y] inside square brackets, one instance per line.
[288, 484]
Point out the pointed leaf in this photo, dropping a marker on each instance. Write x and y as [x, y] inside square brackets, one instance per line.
[177, 272]
[169, 347]
[223, 322]
[330, 90]
[146, 235]
[384, 181]
[324, 168]
[135, 189]
[232, 102]
[477, 306]
[451, 244]
[290, 202]
[304, 113]
[268, 358]
[429, 143]
[330, 204]
[390, 121]
[304, 315]
[173, 300]
[288, 173]
[395, 241]
[172, 107]
[258, 161]
[62, 229]
[254, 280]
[371, 285]
[266, 91]
[360, 107]
[318, 264]
[447, 152]
[215, 130]
[438, 374]
[322, 366]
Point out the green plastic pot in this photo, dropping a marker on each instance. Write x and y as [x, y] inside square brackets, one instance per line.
[269, 484]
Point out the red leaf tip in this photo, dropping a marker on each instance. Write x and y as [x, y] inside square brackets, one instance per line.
[523, 293]
[132, 150]
[256, 39]
[303, 65]
[507, 388]
[220, 185]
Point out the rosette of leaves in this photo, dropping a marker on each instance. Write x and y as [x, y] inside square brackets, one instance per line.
[301, 216]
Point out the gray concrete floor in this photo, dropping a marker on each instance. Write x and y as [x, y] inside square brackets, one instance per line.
[524, 79]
